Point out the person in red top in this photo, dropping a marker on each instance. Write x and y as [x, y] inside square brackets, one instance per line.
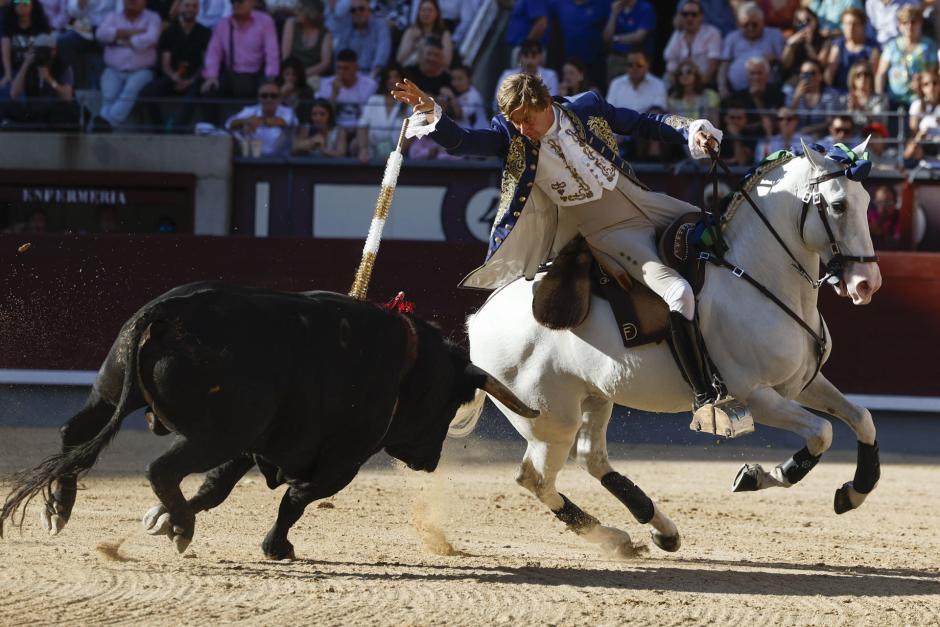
[884, 219]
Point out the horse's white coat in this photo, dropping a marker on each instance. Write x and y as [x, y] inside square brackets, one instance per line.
[574, 377]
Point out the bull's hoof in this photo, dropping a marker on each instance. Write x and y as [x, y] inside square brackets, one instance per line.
[747, 479]
[180, 540]
[847, 498]
[669, 544]
[281, 553]
[156, 521]
[51, 522]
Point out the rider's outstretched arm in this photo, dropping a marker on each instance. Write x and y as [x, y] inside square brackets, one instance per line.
[673, 129]
[489, 142]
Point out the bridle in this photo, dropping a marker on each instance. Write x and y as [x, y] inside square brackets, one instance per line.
[835, 267]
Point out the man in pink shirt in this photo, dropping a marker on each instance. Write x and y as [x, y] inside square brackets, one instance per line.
[130, 39]
[256, 55]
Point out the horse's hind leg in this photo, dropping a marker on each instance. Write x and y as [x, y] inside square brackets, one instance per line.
[590, 451]
[537, 473]
[82, 427]
[821, 395]
[773, 410]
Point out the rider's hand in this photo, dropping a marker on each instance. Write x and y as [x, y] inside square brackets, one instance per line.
[408, 92]
[706, 142]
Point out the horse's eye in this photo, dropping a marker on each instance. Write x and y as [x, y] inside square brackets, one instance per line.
[838, 207]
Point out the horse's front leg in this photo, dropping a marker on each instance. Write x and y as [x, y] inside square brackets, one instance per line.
[773, 410]
[821, 395]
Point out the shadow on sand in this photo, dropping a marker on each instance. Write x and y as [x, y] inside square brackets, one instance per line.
[715, 576]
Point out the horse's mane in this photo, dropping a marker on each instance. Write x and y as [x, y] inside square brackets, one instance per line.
[749, 182]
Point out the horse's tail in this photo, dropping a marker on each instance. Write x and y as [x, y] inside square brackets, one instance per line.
[467, 417]
[80, 458]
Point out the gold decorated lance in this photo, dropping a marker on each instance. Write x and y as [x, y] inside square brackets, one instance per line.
[383, 204]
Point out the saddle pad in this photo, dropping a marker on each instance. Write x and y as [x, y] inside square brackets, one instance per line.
[562, 296]
[679, 251]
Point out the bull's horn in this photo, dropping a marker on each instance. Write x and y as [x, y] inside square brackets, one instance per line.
[500, 392]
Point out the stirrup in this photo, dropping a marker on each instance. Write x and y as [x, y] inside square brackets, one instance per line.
[727, 417]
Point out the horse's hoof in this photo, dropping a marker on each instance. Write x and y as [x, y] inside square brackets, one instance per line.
[747, 478]
[156, 521]
[842, 503]
[670, 544]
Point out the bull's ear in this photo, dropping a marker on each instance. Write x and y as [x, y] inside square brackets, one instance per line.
[489, 384]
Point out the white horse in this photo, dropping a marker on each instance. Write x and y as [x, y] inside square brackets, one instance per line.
[766, 358]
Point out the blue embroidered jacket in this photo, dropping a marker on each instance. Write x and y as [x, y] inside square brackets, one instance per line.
[596, 121]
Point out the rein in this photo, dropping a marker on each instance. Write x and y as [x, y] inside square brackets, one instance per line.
[834, 267]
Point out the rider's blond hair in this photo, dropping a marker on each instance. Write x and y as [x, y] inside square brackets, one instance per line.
[522, 90]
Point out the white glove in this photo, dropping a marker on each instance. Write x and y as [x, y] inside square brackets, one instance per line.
[694, 128]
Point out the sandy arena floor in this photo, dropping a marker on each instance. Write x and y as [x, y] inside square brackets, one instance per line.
[771, 558]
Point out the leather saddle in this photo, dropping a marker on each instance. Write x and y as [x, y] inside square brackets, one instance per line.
[562, 296]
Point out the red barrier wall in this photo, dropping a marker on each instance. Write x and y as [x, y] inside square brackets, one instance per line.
[65, 298]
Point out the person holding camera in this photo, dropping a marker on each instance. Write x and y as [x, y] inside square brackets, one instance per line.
[41, 93]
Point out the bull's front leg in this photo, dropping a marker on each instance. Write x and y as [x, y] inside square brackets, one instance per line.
[821, 395]
[325, 483]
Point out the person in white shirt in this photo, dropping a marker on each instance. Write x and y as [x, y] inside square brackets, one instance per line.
[883, 17]
[380, 123]
[265, 129]
[467, 103]
[637, 89]
[563, 174]
[695, 40]
[347, 89]
[530, 60]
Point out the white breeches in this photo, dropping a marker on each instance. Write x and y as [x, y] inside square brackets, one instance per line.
[622, 224]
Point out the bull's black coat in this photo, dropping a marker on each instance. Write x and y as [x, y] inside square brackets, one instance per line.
[308, 385]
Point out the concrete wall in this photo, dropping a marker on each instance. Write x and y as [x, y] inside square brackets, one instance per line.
[209, 158]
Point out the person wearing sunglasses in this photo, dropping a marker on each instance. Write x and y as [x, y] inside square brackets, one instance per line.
[688, 95]
[752, 39]
[785, 138]
[861, 100]
[695, 40]
[365, 34]
[267, 126]
[841, 131]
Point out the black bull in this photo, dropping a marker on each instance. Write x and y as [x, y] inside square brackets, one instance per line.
[308, 386]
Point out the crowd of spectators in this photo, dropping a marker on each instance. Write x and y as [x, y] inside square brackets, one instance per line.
[318, 72]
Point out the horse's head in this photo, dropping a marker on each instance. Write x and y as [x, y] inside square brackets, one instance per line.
[834, 219]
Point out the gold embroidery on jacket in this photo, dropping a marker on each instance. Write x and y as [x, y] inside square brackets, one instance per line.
[584, 190]
[677, 122]
[515, 166]
[606, 168]
[601, 128]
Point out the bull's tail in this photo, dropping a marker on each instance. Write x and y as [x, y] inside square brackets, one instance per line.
[80, 458]
[467, 417]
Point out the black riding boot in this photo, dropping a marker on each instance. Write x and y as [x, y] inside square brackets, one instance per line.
[689, 355]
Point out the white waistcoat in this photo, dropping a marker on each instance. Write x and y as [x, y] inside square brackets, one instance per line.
[569, 171]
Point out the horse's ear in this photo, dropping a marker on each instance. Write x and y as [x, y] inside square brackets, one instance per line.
[860, 149]
[811, 154]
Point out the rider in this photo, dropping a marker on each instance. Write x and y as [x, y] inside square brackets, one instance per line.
[562, 174]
